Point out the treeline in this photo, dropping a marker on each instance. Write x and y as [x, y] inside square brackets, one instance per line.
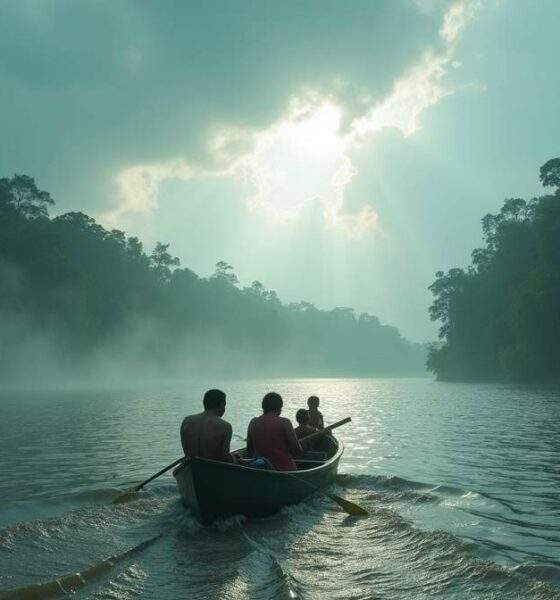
[75, 295]
[501, 316]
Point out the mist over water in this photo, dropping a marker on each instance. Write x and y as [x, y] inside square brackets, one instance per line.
[461, 482]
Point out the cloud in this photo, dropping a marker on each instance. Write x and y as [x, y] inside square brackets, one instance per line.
[138, 187]
[421, 88]
[457, 18]
[305, 155]
[299, 159]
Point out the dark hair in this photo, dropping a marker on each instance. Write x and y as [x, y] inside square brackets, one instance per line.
[302, 416]
[213, 399]
[272, 401]
[313, 400]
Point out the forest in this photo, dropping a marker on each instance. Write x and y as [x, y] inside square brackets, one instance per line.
[80, 302]
[500, 317]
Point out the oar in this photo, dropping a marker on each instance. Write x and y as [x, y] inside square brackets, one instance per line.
[328, 429]
[126, 496]
[349, 507]
[68, 584]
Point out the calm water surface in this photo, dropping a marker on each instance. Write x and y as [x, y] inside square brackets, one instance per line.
[462, 483]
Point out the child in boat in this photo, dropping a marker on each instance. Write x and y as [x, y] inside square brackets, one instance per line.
[304, 428]
[315, 417]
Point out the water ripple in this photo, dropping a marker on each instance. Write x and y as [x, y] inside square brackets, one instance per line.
[461, 482]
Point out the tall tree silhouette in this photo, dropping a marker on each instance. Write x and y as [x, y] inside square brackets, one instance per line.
[500, 318]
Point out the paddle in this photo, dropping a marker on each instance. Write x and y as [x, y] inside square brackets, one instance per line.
[328, 429]
[127, 495]
[349, 507]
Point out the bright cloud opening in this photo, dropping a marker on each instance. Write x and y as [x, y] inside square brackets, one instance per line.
[296, 161]
[305, 156]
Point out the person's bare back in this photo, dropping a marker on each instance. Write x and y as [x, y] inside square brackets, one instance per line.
[207, 435]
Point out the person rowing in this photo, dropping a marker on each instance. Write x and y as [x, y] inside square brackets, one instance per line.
[272, 437]
[206, 434]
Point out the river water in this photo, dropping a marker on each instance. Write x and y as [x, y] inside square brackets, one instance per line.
[462, 483]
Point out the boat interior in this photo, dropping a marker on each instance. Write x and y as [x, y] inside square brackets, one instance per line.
[316, 454]
[321, 451]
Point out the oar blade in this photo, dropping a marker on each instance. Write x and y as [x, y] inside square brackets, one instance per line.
[352, 509]
[130, 494]
[126, 496]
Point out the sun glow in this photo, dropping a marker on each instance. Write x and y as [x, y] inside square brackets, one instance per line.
[296, 161]
[304, 157]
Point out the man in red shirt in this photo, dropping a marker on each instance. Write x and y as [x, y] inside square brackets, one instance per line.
[272, 436]
[206, 434]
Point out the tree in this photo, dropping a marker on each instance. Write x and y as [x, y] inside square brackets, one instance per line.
[162, 262]
[257, 289]
[500, 319]
[550, 174]
[22, 193]
[224, 272]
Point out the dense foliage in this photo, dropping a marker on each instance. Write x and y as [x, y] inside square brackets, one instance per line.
[501, 316]
[75, 297]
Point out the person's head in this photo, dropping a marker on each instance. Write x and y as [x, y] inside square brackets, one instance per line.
[302, 417]
[313, 402]
[215, 400]
[272, 403]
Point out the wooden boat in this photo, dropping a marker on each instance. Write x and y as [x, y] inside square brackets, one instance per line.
[215, 490]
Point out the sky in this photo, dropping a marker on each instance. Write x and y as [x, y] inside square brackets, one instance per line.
[340, 153]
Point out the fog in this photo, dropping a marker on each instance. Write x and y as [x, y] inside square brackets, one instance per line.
[79, 303]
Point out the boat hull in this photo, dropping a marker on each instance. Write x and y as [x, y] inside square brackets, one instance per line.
[215, 490]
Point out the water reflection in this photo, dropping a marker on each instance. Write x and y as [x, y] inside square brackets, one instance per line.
[454, 475]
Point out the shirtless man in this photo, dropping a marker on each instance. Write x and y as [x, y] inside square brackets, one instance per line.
[207, 435]
[272, 437]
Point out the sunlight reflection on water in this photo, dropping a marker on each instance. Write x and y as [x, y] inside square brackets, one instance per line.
[462, 482]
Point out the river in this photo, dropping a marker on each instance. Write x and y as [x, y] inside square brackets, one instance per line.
[462, 482]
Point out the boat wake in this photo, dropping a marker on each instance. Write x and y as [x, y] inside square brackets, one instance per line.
[311, 550]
